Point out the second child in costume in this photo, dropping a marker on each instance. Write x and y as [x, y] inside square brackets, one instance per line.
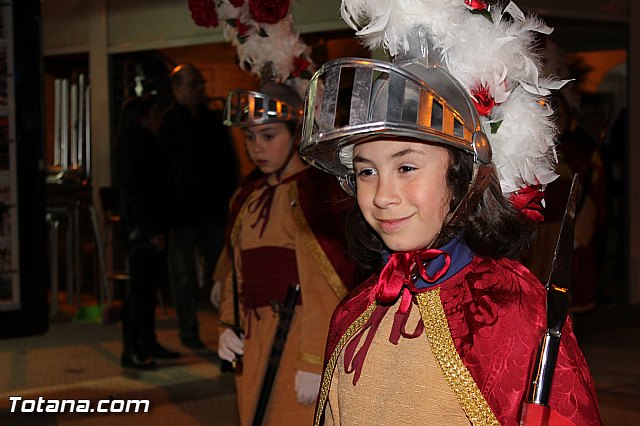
[445, 330]
[286, 228]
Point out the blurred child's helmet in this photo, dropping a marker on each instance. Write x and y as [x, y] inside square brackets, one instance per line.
[273, 103]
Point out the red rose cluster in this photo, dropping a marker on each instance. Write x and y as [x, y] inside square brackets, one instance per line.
[528, 201]
[204, 13]
[249, 19]
[476, 4]
[268, 11]
[482, 100]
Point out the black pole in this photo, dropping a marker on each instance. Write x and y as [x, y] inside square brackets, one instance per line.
[279, 340]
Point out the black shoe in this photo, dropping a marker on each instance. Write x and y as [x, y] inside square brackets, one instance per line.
[159, 352]
[138, 362]
[193, 343]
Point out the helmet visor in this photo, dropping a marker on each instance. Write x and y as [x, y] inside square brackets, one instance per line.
[247, 108]
[351, 100]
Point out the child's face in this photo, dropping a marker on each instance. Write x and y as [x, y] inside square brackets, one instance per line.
[268, 145]
[402, 191]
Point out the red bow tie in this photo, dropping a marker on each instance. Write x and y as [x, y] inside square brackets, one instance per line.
[398, 276]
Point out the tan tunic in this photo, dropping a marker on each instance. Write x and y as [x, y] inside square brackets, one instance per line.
[307, 336]
[414, 384]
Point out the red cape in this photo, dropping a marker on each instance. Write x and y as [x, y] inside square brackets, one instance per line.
[496, 312]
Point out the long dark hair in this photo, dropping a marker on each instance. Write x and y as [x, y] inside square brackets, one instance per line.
[493, 228]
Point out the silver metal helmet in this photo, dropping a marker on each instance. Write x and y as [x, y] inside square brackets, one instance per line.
[274, 103]
[352, 100]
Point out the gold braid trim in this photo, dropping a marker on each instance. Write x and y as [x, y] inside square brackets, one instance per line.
[325, 266]
[310, 358]
[331, 363]
[455, 372]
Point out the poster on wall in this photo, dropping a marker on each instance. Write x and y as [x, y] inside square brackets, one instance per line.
[9, 274]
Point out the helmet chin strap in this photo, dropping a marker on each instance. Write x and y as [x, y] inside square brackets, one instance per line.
[479, 183]
[480, 180]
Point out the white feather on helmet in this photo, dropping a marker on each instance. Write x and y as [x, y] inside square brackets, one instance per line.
[490, 55]
[263, 45]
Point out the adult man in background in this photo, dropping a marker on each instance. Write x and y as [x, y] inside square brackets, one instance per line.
[203, 177]
[142, 183]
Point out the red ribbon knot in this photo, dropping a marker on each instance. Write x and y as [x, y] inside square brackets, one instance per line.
[262, 203]
[396, 275]
[395, 278]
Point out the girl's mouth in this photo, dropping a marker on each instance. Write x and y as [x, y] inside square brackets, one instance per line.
[391, 225]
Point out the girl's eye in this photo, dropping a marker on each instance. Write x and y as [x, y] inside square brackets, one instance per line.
[406, 169]
[365, 172]
[248, 138]
[268, 136]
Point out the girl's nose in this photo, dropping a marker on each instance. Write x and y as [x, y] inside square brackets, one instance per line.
[258, 146]
[386, 193]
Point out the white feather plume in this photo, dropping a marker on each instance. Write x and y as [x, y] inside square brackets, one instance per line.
[497, 54]
[281, 45]
[274, 44]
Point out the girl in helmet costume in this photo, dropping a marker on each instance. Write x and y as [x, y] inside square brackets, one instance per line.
[286, 228]
[446, 329]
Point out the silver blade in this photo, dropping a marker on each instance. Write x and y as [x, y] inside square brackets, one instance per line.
[559, 283]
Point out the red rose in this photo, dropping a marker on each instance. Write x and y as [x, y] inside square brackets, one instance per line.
[268, 11]
[237, 3]
[204, 13]
[300, 65]
[482, 100]
[476, 4]
[529, 202]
